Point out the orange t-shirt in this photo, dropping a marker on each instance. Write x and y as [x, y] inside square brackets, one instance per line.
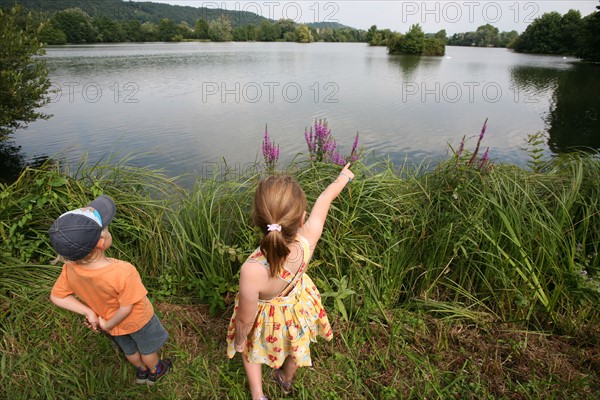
[106, 289]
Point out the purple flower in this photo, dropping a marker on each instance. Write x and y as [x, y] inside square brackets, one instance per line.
[323, 147]
[461, 148]
[354, 156]
[483, 129]
[270, 151]
[484, 159]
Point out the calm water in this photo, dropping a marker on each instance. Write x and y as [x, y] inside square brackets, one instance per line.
[187, 106]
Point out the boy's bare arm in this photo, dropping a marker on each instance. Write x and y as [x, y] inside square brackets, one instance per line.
[71, 303]
[116, 319]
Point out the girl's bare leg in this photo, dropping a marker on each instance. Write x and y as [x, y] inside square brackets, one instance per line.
[288, 369]
[254, 374]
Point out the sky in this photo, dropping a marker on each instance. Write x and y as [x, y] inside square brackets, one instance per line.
[399, 15]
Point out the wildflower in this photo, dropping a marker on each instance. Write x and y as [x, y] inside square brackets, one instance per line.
[481, 134]
[461, 148]
[484, 159]
[354, 156]
[270, 152]
[323, 147]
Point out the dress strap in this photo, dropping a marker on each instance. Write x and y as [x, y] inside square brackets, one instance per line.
[306, 254]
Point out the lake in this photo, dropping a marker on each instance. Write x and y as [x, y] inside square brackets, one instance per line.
[185, 107]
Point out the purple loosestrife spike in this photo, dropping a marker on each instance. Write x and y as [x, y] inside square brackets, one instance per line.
[461, 148]
[484, 159]
[483, 129]
[354, 152]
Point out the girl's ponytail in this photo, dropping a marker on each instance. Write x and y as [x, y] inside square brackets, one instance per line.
[279, 206]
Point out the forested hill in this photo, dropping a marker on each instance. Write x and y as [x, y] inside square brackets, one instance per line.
[142, 11]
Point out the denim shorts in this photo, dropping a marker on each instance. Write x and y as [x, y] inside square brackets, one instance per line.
[147, 340]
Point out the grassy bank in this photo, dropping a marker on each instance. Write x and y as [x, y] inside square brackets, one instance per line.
[453, 282]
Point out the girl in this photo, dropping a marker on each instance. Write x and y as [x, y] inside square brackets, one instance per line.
[278, 309]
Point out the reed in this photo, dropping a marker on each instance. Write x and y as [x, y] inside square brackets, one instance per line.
[451, 244]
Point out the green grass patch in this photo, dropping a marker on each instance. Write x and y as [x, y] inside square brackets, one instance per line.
[444, 282]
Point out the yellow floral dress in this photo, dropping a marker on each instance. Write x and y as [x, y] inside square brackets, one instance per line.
[285, 325]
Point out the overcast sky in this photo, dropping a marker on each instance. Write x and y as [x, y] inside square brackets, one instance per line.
[399, 15]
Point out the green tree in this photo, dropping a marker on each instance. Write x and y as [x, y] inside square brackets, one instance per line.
[149, 32]
[76, 24]
[486, 36]
[167, 30]
[269, 32]
[201, 28]
[133, 31]
[507, 39]
[50, 34]
[24, 82]
[570, 31]
[589, 41]
[411, 43]
[441, 35]
[108, 30]
[303, 34]
[543, 35]
[371, 35]
[220, 30]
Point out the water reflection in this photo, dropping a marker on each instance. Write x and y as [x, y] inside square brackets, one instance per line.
[574, 119]
[535, 79]
[11, 161]
[408, 64]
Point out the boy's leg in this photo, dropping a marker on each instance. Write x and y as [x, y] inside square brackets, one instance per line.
[150, 360]
[253, 372]
[136, 359]
[142, 372]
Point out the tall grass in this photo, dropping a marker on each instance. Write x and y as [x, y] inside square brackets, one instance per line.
[454, 242]
[505, 243]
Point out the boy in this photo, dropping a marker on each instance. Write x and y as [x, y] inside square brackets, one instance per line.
[110, 293]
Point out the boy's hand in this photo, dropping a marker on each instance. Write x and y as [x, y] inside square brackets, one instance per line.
[103, 324]
[91, 321]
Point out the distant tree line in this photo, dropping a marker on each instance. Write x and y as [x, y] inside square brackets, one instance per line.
[570, 34]
[74, 25]
[552, 33]
[485, 36]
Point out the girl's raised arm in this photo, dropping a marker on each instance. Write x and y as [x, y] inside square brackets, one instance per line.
[313, 228]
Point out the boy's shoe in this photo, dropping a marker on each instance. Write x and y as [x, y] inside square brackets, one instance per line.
[141, 375]
[162, 368]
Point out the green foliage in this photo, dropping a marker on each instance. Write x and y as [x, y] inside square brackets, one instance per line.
[76, 24]
[220, 30]
[84, 21]
[553, 33]
[428, 274]
[535, 149]
[303, 34]
[416, 42]
[589, 45]
[485, 36]
[24, 83]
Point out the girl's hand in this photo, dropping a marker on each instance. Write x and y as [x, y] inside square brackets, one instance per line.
[240, 347]
[347, 173]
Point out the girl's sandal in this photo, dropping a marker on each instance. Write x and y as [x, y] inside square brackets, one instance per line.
[278, 379]
[263, 397]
